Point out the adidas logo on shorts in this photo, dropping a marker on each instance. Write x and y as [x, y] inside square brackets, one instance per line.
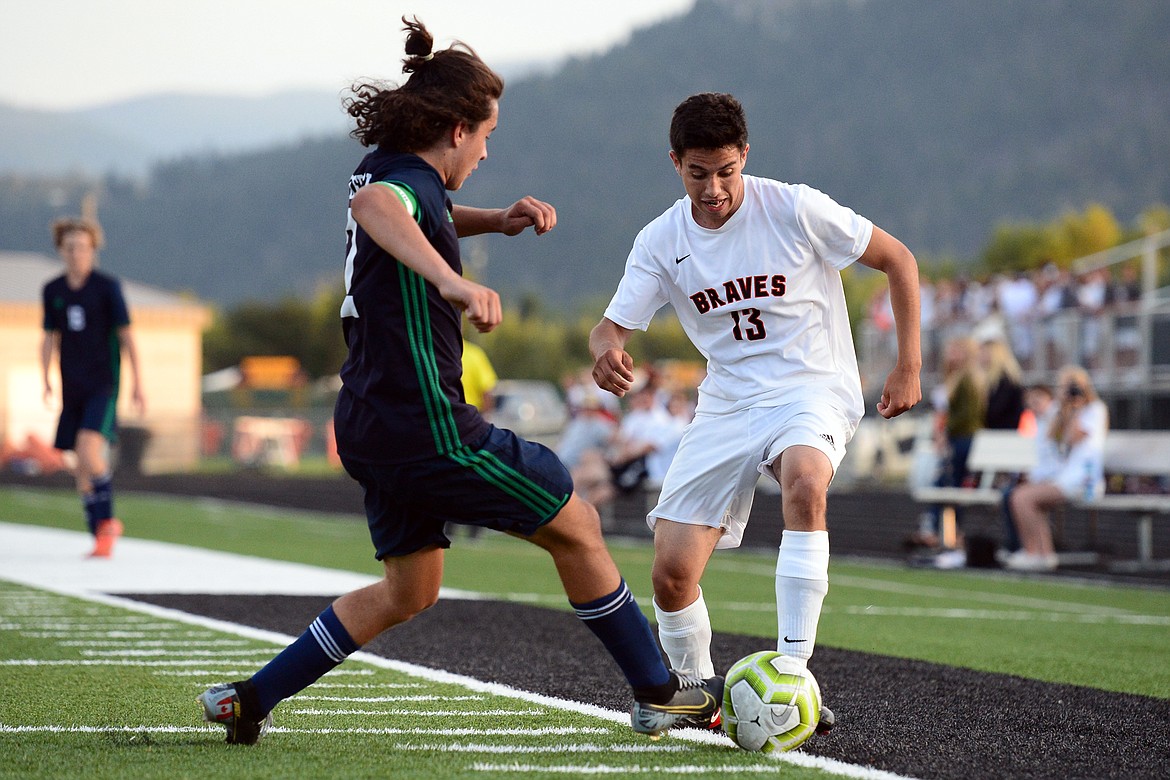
[829, 439]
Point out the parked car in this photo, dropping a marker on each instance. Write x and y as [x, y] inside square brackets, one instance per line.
[531, 408]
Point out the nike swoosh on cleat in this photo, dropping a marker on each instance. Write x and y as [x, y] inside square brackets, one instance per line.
[708, 701]
[793, 641]
[678, 260]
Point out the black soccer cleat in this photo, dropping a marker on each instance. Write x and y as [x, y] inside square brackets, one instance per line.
[221, 704]
[826, 722]
[695, 699]
[714, 724]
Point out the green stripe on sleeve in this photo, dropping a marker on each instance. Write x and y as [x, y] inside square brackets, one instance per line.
[405, 194]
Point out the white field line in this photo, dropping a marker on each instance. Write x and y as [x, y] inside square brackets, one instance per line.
[961, 613]
[1046, 610]
[800, 759]
[1021, 616]
[210, 644]
[238, 673]
[964, 592]
[833, 766]
[482, 747]
[101, 634]
[418, 713]
[210, 654]
[82, 628]
[124, 662]
[93, 621]
[211, 728]
[366, 686]
[385, 699]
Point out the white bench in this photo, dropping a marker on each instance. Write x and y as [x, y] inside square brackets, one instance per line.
[1127, 453]
[1139, 454]
[994, 454]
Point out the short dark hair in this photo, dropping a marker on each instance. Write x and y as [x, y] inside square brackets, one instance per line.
[710, 120]
[445, 88]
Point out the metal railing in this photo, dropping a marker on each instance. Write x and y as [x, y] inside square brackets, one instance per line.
[1126, 348]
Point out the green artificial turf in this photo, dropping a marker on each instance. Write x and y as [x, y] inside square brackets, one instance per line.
[1048, 628]
[98, 691]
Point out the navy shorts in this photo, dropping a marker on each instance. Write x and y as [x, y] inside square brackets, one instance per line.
[96, 412]
[504, 482]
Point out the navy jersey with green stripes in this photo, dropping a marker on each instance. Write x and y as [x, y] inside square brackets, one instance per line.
[88, 320]
[401, 397]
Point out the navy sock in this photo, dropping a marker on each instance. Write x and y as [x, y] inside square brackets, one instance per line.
[625, 632]
[87, 502]
[102, 497]
[323, 646]
[91, 516]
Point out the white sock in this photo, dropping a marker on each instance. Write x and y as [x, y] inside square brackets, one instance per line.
[802, 581]
[686, 637]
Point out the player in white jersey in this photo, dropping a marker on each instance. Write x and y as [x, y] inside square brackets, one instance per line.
[752, 268]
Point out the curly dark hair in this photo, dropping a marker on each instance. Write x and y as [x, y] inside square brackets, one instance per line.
[710, 120]
[445, 88]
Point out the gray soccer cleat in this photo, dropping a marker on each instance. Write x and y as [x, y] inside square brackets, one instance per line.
[221, 704]
[696, 699]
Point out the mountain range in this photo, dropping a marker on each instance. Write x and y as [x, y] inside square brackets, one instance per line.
[938, 119]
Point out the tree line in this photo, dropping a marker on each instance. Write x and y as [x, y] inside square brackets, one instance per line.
[536, 341]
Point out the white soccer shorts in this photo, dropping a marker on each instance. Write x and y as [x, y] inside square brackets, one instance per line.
[712, 479]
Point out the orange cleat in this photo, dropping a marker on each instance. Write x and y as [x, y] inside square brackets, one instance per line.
[108, 532]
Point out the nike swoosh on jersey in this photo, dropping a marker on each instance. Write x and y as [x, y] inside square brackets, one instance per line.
[678, 260]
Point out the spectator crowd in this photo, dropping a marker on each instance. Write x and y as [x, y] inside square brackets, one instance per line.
[1048, 316]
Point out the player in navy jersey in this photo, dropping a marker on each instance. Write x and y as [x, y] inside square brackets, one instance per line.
[423, 455]
[87, 323]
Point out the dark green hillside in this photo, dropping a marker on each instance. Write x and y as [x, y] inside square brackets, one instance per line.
[936, 118]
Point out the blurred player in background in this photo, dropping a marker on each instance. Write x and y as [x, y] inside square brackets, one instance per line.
[404, 431]
[87, 325]
[479, 377]
[752, 268]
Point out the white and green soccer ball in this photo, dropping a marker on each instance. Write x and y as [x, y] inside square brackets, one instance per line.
[770, 702]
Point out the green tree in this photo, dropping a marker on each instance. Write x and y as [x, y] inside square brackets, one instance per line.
[1025, 246]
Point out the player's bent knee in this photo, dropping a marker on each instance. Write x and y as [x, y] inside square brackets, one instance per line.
[673, 588]
[407, 607]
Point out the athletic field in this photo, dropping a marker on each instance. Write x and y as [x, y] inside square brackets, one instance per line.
[931, 674]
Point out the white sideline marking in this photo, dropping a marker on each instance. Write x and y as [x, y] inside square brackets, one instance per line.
[106, 634]
[121, 662]
[367, 686]
[965, 592]
[549, 731]
[654, 747]
[50, 560]
[53, 559]
[385, 699]
[162, 643]
[693, 769]
[208, 729]
[991, 614]
[417, 713]
[239, 673]
[209, 654]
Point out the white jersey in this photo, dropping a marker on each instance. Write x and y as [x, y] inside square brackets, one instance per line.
[760, 297]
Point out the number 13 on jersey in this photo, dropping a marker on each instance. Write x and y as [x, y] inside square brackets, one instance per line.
[747, 325]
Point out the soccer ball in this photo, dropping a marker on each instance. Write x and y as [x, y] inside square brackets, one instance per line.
[770, 702]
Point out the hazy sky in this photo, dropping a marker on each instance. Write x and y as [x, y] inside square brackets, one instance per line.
[77, 53]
